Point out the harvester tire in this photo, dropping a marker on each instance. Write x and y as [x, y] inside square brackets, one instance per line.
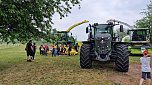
[85, 61]
[122, 59]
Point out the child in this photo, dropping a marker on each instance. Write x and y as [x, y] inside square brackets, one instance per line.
[145, 67]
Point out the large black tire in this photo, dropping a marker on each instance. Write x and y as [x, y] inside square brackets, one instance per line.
[113, 55]
[85, 60]
[122, 59]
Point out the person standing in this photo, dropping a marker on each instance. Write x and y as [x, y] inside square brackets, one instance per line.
[58, 49]
[145, 67]
[53, 49]
[40, 49]
[64, 50]
[29, 50]
[69, 48]
[46, 49]
[34, 50]
[76, 47]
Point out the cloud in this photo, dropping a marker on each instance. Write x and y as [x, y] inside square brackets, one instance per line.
[99, 11]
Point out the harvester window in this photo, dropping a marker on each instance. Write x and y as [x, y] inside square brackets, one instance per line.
[139, 35]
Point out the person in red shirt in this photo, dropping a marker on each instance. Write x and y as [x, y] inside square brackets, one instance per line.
[46, 49]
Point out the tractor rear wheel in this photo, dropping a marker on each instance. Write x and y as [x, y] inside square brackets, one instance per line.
[85, 60]
[122, 59]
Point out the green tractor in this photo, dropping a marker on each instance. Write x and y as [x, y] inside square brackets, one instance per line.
[139, 40]
[65, 38]
[102, 45]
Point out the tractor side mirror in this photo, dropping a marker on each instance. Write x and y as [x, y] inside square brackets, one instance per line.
[87, 30]
[121, 28]
[95, 24]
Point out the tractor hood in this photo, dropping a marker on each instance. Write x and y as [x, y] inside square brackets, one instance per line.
[103, 43]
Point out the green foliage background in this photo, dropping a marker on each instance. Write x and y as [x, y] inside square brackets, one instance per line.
[146, 21]
[21, 20]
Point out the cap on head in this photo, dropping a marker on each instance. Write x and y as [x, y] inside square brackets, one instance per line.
[145, 52]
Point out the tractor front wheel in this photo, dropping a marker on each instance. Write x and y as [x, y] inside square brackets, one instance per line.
[85, 60]
[122, 59]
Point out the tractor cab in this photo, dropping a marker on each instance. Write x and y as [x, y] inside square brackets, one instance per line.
[102, 30]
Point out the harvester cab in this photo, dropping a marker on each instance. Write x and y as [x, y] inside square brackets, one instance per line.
[139, 34]
[139, 38]
[65, 37]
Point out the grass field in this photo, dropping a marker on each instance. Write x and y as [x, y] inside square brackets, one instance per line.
[61, 70]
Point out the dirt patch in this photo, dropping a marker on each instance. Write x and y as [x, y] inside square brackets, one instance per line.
[132, 77]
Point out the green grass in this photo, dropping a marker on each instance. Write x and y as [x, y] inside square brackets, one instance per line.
[60, 70]
[138, 51]
[4, 45]
[134, 59]
[10, 56]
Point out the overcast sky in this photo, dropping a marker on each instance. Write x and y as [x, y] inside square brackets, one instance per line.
[99, 11]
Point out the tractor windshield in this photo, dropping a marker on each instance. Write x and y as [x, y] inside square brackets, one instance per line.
[102, 28]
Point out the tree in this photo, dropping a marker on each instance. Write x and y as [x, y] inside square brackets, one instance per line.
[22, 20]
[53, 35]
[146, 21]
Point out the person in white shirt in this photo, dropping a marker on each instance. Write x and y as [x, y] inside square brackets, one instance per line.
[145, 67]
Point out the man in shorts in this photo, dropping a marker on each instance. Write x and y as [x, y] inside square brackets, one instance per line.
[145, 67]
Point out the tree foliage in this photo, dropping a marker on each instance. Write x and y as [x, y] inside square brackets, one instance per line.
[22, 20]
[146, 21]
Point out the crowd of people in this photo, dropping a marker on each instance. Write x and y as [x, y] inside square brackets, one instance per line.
[54, 50]
[44, 49]
[57, 49]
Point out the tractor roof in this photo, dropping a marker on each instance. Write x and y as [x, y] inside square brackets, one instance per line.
[137, 29]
